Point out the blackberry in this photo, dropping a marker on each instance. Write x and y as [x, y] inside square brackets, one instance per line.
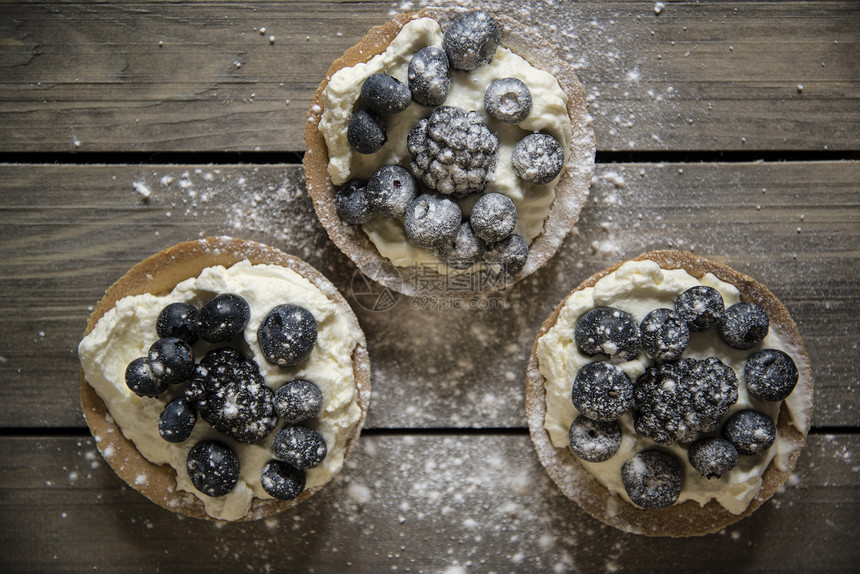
[664, 335]
[508, 100]
[471, 40]
[770, 375]
[750, 431]
[351, 202]
[287, 335]
[177, 420]
[464, 251]
[178, 320]
[609, 331]
[432, 221]
[222, 318]
[453, 152]
[594, 441]
[653, 479]
[493, 217]
[538, 158]
[701, 307]
[140, 380]
[602, 391]
[298, 401]
[213, 467]
[429, 76]
[229, 394]
[390, 190]
[680, 401]
[171, 360]
[282, 481]
[300, 447]
[507, 257]
[366, 132]
[744, 325]
[712, 456]
[385, 95]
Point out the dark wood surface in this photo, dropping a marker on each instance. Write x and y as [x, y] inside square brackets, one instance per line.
[728, 129]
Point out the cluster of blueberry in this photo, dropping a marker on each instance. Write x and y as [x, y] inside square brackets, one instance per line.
[453, 153]
[676, 399]
[227, 390]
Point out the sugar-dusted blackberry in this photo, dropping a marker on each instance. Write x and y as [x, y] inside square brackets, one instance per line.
[602, 391]
[432, 221]
[287, 335]
[770, 375]
[712, 456]
[177, 420]
[507, 257]
[351, 202]
[701, 307]
[594, 441]
[171, 360]
[508, 100]
[300, 447]
[390, 190]
[464, 251]
[538, 158]
[140, 380]
[178, 320]
[298, 401]
[609, 331]
[453, 152]
[366, 132]
[471, 40]
[429, 76]
[664, 335]
[750, 431]
[744, 325]
[213, 467]
[653, 479]
[229, 393]
[385, 95]
[493, 217]
[222, 318]
[677, 402]
[282, 481]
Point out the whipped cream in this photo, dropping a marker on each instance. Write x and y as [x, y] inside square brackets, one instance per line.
[638, 287]
[126, 332]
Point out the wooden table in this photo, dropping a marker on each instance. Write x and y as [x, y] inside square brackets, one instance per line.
[731, 129]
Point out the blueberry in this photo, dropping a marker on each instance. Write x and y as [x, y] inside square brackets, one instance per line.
[664, 335]
[178, 320]
[432, 221]
[493, 217]
[538, 158]
[282, 481]
[701, 307]
[712, 456]
[298, 401]
[770, 375]
[139, 378]
[464, 251]
[750, 431]
[594, 441]
[366, 132]
[609, 331]
[429, 76]
[300, 447]
[390, 190]
[508, 100]
[744, 325]
[287, 335]
[602, 391]
[507, 257]
[213, 467]
[471, 40]
[653, 479]
[171, 361]
[177, 420]
[222, 318]
[351, 202]
[385, 95]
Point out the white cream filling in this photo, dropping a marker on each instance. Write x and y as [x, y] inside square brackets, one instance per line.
[126, 332]
[638, 287]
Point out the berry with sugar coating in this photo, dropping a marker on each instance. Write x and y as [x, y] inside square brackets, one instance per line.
[464, 251]
[493, 217]
[432, 221]
[507, 257]
[429, 76]
[653, 479]
[287, 335]
[609, 331]
[770, 375]
[508, 100]
[366, 132]
[664, 335]
[140, 380]
[178, 320]
[282, 481]
[602, 391]
[744, 325]
[298, 401]
[300, 447]
[594, 441]
[351, 202]
[471, 40]
[385, 95]
[213, 467]
[712, 456]
[177, 420]
[171, 360]
[701, 307]
[390, 190]
[222, 318]
[750, 431]
[538, 158]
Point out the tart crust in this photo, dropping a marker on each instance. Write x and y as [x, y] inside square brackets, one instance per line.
[571, 191]
[688, 518]
[158, 275]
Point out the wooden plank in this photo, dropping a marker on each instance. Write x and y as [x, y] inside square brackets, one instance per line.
[156, 77]
[409, 503]
[67, 232]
